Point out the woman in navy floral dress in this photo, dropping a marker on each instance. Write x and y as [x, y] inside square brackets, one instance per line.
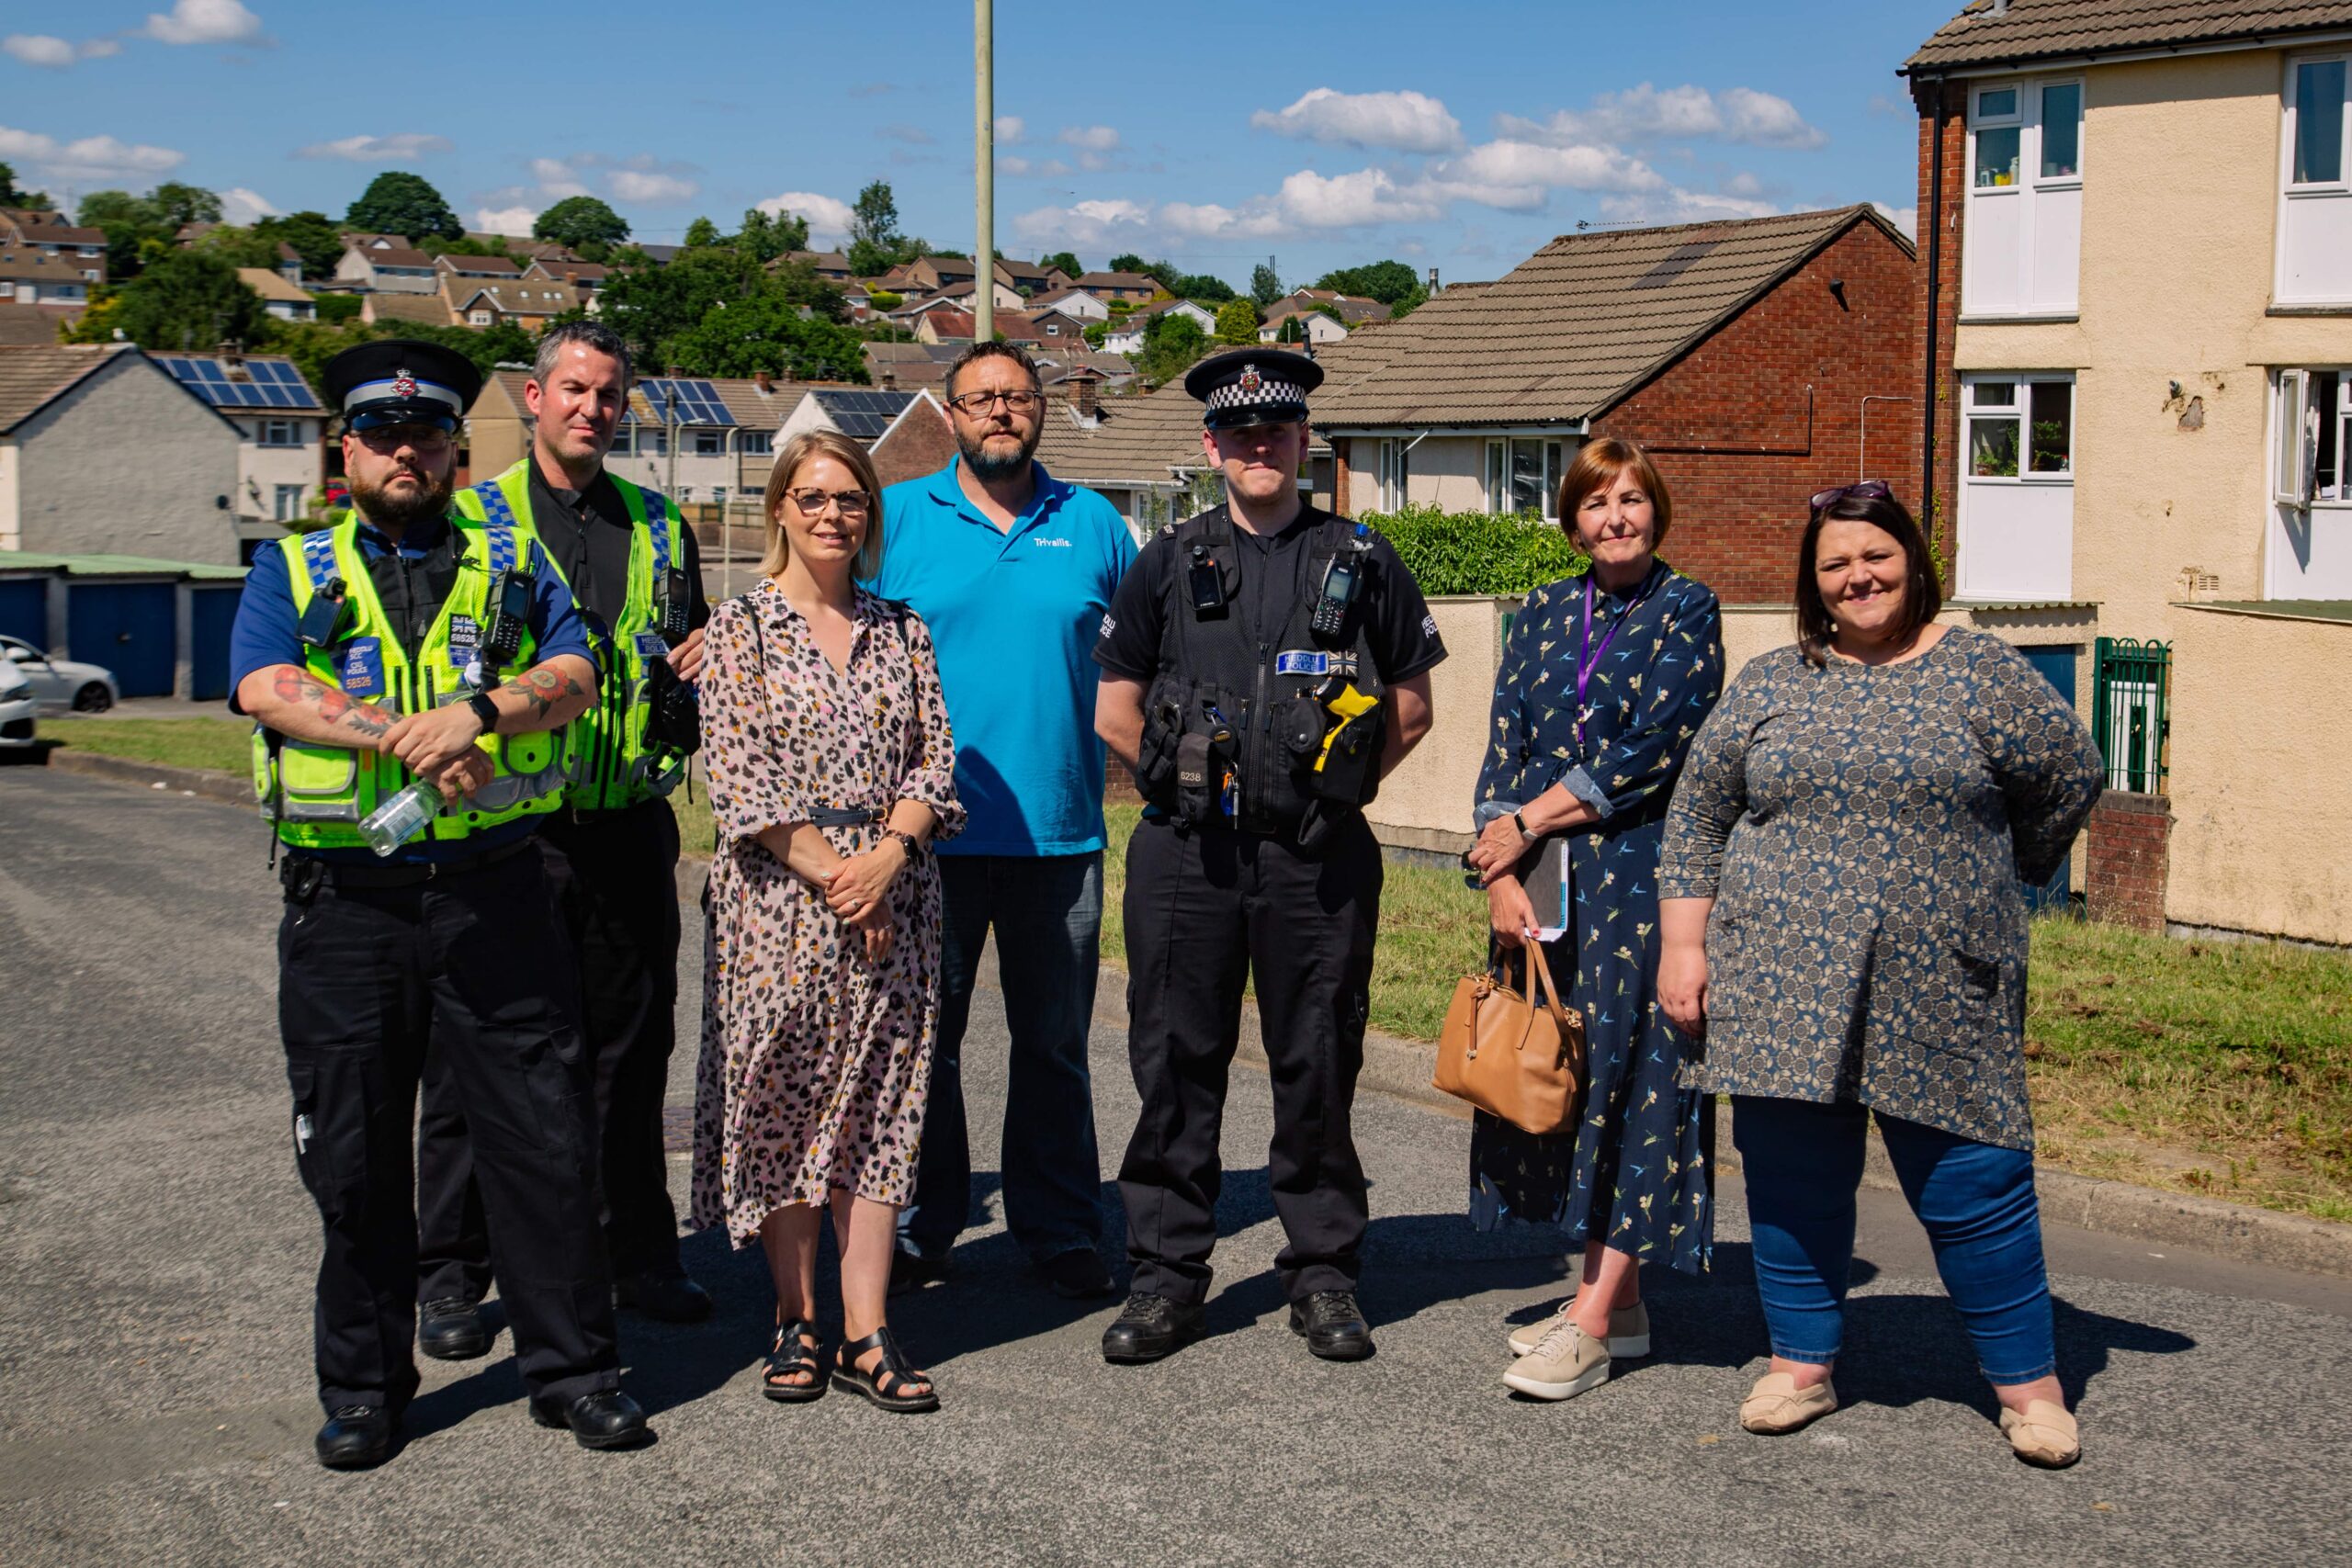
[1603, 683]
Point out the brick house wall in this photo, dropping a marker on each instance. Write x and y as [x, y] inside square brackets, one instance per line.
[2127, 844]
[918, 445]
[1727, 422]
[1941, 296]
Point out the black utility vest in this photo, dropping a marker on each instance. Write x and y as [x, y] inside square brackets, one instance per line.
[1242, 710]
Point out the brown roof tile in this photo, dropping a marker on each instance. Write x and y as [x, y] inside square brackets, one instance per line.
[2039, 30]
[34, 325]
[1134, 440]
[477, 266]
[271, 284]
[31, 376]
[428, 307]
[1572, 329]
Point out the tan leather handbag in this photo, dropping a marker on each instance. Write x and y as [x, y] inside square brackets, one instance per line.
[1508, 1057]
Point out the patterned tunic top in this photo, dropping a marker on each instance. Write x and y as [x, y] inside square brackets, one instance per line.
[1863, 830]
[815, 1063]
[1632, 1174]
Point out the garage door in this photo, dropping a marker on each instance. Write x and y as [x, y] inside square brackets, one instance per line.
[215, 610]
[24, 609]
[127, 627]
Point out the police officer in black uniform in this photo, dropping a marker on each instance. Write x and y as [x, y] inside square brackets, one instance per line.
[405, 644]
[1264, 664]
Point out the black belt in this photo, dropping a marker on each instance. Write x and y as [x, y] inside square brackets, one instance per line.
[295, 870]
[844, 816]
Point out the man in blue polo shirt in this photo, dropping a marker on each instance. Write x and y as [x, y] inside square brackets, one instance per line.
[1012, 571]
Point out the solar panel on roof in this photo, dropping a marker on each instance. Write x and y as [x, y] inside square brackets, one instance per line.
[687, 401]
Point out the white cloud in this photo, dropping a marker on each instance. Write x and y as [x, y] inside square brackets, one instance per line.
[202, 21]
[1903, 218]
[556, 178]
[632, 185]
[89, 158]
[1030, 168]
[515, 221]
[1644, 112]
[829, 217]
[405, 148]
[1010, 129]
[1675, 205]
[239, 204]
[1089, 224]
[1092, 138]
[1515, 165]
[100, 48]
[1407, 122]
[39, 49]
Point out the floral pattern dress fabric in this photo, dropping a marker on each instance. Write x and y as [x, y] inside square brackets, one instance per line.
[1632, 1174]
[815, 1062]
[1863, 831]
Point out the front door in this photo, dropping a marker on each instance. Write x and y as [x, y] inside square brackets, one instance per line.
[2056, 665]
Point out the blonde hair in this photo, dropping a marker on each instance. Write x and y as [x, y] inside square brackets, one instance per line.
[797, 453]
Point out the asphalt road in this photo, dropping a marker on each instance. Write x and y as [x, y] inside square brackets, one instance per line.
[155, 1404]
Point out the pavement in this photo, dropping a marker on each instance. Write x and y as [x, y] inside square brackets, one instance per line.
[156, 1250]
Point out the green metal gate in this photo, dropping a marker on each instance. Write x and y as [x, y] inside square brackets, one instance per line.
[2131, 711]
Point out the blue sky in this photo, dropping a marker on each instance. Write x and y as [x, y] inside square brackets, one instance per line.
[1458, 136]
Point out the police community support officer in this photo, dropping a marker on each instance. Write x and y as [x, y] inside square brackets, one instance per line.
[400, 644]
[1263, 665]
[611, 850]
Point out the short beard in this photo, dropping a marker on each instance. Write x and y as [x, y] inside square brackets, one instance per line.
[988, 469]
[375, 504]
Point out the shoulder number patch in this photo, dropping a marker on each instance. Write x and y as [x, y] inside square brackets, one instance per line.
[1109, 625]
[1429, 626]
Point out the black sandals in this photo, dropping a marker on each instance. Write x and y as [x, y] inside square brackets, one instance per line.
[791, 1354]
[888, 1394]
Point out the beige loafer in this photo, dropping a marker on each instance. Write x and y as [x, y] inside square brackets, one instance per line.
[1565, 1363]
[1776, 1405]
[2044, 1435]
[1629, 1330]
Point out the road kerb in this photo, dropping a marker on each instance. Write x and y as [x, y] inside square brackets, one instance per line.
[206, 782]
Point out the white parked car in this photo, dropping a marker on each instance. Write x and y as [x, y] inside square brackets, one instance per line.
[59, 684]
[17, 707]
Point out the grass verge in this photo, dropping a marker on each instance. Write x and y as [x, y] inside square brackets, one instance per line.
[2221, 1068]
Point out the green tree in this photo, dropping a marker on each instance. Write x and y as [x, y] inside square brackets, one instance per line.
[700, 235]
[314, 235]
[1171, 342]
[1237, 322]
[397, 202]
[176, 204]
[14, 195]
[650, 307]
[1204, 286]
[579, 220]
[339, 306]
[1265, 284]
[882, 299]
[1127, 261]
[135, 228]
[766, 238]
[1386, 281]
[1401, 309]
[1094, 333]
[875, 244]
[1065, 260]
[186, 300]
[767, 333]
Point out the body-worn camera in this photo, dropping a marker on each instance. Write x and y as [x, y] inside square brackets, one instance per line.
[322, 617]
[1205, 582]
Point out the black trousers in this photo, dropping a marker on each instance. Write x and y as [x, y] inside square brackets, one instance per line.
[1206, 912]
[614, 880]
[473, 966]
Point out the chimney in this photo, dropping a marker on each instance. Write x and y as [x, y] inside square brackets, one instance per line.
[1433, 280]
[232, 358]
[673, 373]
[1085, 393]
[889, 377]
[764, 381]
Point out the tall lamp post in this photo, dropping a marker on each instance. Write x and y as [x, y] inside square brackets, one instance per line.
[984, 168]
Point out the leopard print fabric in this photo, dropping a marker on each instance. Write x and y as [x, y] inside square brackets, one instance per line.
[815, 1063]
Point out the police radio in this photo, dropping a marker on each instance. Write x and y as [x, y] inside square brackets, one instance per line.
[669, 601]
[510, 612]
[1341, 580]
[322, 617]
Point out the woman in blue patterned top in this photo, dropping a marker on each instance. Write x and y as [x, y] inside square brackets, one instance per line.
[1843, 918]
[1603, 683]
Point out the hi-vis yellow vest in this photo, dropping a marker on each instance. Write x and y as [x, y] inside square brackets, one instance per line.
[606, 755]
[317, 795]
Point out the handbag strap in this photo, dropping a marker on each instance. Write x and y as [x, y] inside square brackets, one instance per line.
[1537, 968]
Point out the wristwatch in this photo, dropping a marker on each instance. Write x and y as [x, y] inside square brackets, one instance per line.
[913, 845]
[485, 710]
[1521, 823]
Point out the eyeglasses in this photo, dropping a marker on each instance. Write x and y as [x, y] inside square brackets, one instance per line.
[1865, 489]
[976, 404]
[417, 437]
[812, 503]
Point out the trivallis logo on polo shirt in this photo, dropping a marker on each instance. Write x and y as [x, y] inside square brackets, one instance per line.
[1041, 539]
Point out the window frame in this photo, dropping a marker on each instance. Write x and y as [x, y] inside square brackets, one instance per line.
[286, 502]
[1553, 456]
[2029, 187]
[278, 433]
[2291, 109]
[709, 441]
[2292, 409]
[2018, 412]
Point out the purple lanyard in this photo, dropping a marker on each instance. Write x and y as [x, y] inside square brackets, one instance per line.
[1588, 663]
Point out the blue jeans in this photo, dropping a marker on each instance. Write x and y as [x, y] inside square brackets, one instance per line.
[1047, 913]
[1977, 1203]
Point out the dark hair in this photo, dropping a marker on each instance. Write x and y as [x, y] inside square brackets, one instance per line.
[994, 349]
[587, 334]
[1923, 595]
[1596, 467]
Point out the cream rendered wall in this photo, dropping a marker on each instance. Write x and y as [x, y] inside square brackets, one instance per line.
[2181, 196]
[78, 495]
[1425, 804]
[11, 460]
[260, 470]
[2246, 854]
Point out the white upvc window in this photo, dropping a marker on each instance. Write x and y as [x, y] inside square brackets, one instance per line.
[2022, 241]
[478, 317]
[288, 502]
[1523, 476]
[281, 433]
[2315, 183]
[621, 447]
[2309, 553]
[1396, 475]
[710, 443]
[7, 288]
[758, 443]
[2017, 489]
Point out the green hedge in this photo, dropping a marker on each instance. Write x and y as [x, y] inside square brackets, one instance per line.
[1478, 552]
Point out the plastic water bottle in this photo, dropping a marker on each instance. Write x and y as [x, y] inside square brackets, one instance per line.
[400, 818]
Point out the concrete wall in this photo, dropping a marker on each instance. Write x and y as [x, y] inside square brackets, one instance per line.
[1425, 804]
[80, 492]
[2261, 776]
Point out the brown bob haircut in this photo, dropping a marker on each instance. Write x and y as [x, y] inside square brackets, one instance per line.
[1923, 595]
[796, 453]
[1598, 463]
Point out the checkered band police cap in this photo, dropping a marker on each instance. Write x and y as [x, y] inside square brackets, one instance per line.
[1253, 386]
[398, 381]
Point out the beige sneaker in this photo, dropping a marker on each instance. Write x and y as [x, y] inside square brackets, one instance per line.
[2045, 1435]
[1565, 1363]
[1776, 1405]
[1629, 1330]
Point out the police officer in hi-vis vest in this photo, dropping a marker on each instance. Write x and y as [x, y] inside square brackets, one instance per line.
[611, 850]
[1264, 664]
[405, 645]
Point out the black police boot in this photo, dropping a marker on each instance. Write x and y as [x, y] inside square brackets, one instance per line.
[1151, 1327]
[355, 1436]
[607, 1420]
[1333, 1325]
[1077, 1275]
[670, 1298]
[912, 1271]
[449, 1328]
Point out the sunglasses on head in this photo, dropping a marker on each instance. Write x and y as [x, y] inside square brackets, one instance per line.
[1865, 489]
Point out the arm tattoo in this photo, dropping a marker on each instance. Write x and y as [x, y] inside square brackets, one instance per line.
[335, 707]
[542, 688]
